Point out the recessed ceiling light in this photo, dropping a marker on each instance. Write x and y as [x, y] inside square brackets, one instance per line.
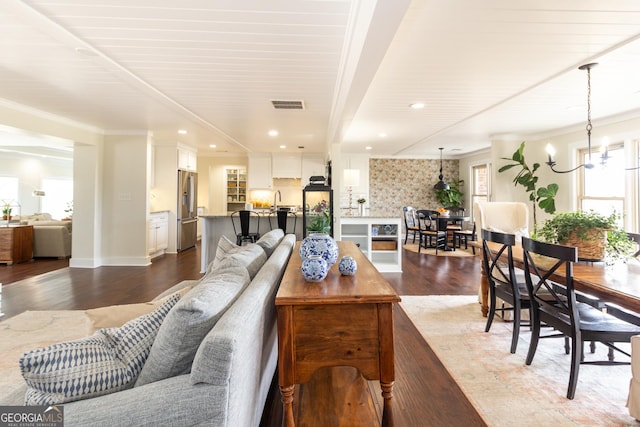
[283, 146]
[182, 132]
[417, 105]
[368, 147]
[212, 146]
[382, 135]
[273, 132]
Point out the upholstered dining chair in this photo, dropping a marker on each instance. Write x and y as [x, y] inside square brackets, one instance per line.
[430, 234]
[636, 238]
[503, 282]
[410, 223]
[246, 226]
[579, 321]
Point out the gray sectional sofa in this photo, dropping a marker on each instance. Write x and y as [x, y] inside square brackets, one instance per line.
[227, 381]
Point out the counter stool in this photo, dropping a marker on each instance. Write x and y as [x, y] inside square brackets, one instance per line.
[282, 216]
[246, 226]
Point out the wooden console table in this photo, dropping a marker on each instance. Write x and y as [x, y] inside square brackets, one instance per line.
[341, 321]
[16, 244]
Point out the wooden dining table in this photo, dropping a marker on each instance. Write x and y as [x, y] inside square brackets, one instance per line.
[618, 283]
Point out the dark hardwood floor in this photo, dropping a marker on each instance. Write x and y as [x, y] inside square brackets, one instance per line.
[424, 393]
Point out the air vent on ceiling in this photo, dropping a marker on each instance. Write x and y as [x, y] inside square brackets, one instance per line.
[287, 105]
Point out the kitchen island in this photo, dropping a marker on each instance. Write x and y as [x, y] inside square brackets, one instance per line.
[215, 226]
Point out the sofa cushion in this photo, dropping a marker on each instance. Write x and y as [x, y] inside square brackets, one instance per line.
[105, 362]
[270, 241]
[251, 256]
[189, 322]
[115, 316]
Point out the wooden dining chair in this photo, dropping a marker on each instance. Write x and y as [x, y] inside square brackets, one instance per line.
[430, 234]
[503, 282]
[465, 235]
[410, 223]
[577, 320]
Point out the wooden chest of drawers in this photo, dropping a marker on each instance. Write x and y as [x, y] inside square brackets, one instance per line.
[16, 244]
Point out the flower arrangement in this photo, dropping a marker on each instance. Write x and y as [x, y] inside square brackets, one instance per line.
[320, 223]
[442, 211]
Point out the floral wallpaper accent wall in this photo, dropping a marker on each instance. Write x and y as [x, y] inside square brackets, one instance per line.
[394, 183]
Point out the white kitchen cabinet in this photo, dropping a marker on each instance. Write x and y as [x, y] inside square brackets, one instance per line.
[378, 238]
[259, 174]
[158, 233]
[312, 165]
[187, 159]
[286, 165]
[236, 188]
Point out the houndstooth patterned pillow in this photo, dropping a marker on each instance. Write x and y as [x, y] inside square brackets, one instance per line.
[110, 360]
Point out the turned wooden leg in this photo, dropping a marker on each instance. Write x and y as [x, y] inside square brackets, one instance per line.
[387, 412]
[287, 406]
[484, 292]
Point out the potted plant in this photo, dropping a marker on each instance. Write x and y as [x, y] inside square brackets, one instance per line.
[452, 197]
[544, 197]
[595, 235]
[6, 211]
[361, 202]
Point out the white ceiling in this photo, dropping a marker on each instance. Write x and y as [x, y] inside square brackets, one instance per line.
[212, 67]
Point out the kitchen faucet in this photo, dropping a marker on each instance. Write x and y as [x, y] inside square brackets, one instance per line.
[275, 204]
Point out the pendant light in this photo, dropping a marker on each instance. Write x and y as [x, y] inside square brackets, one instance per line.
[604, 155]
[441, 185]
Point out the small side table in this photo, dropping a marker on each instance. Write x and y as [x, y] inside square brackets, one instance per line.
[341, 321]
[16, 243]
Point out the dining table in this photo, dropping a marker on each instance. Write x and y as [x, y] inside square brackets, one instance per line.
[618, 283]
[444, 221]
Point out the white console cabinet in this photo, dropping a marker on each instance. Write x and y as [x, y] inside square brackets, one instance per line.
[378, 238]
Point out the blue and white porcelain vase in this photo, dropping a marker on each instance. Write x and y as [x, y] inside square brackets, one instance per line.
[320, 244]
[314, 268]
[347, 266]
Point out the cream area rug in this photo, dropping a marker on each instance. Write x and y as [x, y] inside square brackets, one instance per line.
[413, 247]
[502, 388]
[27, 331]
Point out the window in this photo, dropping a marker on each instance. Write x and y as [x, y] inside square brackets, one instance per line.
[602, 189]
[479, 184]
[58, 197]
[9, 190]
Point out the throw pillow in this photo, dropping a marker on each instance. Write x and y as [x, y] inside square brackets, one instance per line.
[189, 322]
[251, 256]
[270, 241]
[115, 316]
[105, 362]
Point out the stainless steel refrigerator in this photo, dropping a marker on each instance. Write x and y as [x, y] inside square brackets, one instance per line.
[187, 209]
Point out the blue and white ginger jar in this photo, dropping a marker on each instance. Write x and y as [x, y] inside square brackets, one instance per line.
[314, 268]
[347, 266]
[320, 244]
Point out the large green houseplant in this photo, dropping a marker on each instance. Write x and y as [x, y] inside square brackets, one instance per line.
[543, 197]
[595, 235]
[452, 197]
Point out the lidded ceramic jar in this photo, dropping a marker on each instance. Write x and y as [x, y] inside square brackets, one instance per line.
[320, 244]
[314, 268]
[347, 266]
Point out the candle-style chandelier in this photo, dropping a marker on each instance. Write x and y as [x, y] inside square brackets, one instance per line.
[604, 152]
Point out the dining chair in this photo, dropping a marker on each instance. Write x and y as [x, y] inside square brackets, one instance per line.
[282, 217]
[410, 223]
[246, 226]
[577, 320]
[465, 235]
[430, 233]
[503, 282]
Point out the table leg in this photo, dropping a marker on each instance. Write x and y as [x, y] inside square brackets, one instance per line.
[287, 406]
[484, 292]
[387, 411]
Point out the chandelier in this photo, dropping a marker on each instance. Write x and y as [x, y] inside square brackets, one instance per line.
[441, 185]
[604, 152]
